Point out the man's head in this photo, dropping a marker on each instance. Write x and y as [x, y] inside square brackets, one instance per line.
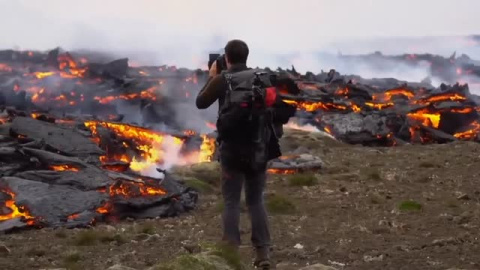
[236, 52]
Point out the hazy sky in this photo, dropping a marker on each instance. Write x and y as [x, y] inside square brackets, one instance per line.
[275, 26]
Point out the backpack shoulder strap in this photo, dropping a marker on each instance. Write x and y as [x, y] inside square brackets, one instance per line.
[228, 79]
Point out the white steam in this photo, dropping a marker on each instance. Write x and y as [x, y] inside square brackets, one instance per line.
[170, 150]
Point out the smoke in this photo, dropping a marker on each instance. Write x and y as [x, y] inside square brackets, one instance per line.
[181, 33]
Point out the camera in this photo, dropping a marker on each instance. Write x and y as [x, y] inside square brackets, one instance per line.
[221, 62]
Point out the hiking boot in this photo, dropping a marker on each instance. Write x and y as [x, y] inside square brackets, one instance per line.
[263, 264]
[262, 259]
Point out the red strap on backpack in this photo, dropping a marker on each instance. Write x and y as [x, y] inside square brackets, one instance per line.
[270, 96]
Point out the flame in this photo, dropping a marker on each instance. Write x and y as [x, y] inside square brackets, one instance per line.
[207, 149]
[16, 211]
[147, 142]
[69, 68]
[62, 168]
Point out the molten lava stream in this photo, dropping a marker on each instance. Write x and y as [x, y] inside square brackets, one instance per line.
[441, 98]
[389, 94]
[281, 171]
[61, 168]
[132, 189]
[471, 133]
[16, 211]
[153, 148]
[427, 118]
[314, 106]
[145, 94]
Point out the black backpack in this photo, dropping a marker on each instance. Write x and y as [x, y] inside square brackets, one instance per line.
[246, 117]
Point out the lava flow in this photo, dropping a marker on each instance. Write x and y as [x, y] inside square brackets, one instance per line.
[424, 108]
[281, 171]
[146, 94]
[132, 189]
[15, 211]
[152, 148]
[61, 168]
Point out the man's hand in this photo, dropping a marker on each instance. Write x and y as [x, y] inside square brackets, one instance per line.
[213, 70]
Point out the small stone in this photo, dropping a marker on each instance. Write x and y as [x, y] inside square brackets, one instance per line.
[120, 267]
[462, 219]
[192, 248]
[402, 248]
[153, 237]
[285, 266]
[368, 258]
[142, 237]
[463, 197]
[298, 246]
[384, 222]
[320, 249]
[110, 228]
[307, 157]
[4, 250]
[343, 189]
[444, 241]
[318, 266]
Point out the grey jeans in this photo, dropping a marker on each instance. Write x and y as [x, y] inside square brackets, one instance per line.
[233, 179]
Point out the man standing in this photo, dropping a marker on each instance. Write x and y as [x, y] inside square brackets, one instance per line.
[234, 159]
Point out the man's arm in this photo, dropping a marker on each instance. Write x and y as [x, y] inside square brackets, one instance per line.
[210, 92]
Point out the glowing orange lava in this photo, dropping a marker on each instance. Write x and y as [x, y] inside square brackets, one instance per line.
[62, 168]
[16, 211]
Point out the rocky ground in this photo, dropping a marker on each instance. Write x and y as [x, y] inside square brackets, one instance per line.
[409, 207]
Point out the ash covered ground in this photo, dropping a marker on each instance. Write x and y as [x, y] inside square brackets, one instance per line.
[409, 207]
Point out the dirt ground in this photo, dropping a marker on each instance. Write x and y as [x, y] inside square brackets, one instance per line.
[408, 207]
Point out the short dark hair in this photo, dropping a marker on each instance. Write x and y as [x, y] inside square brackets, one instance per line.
[237, 51]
